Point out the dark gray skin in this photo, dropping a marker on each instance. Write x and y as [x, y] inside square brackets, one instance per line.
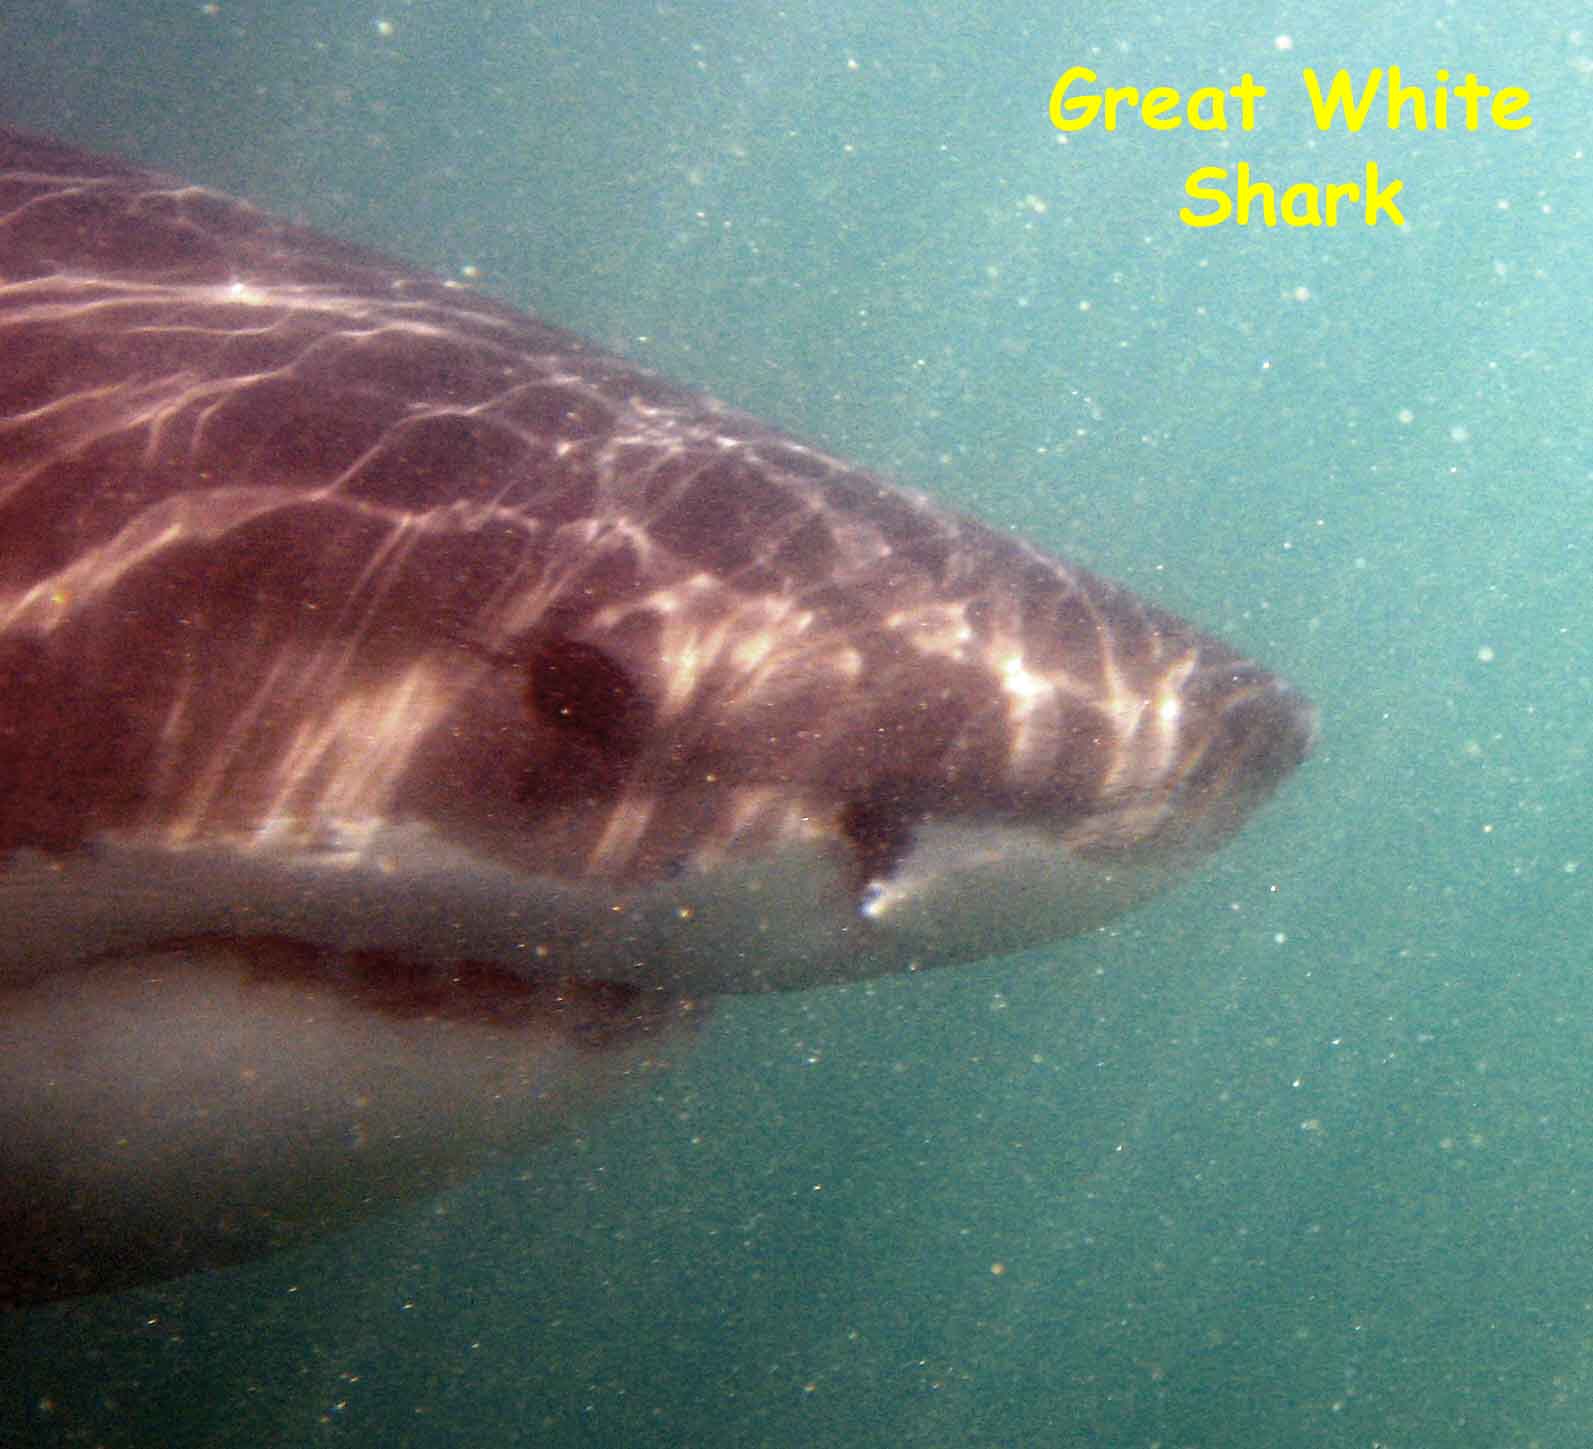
[401, 698]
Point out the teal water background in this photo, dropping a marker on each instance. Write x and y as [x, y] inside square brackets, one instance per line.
[1296, 1155]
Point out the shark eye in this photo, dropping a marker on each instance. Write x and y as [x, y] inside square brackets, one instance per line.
[880, 829]
[581, 691]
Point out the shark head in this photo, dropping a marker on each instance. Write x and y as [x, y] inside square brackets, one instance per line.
[750, 720]
[409, 713]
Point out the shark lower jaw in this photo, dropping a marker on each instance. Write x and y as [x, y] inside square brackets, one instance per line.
[168, 1112]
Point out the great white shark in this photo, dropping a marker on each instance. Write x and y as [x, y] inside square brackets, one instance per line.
[411, 714]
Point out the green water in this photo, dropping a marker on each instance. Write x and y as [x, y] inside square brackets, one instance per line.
[1294, 1156]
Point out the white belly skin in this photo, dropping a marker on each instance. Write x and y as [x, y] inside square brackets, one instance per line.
[163, 1114]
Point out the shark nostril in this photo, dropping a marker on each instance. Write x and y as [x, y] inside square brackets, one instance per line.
[1278, 730]
[1307, 723]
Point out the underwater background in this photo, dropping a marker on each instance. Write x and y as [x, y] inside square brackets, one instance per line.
[1297, 1154]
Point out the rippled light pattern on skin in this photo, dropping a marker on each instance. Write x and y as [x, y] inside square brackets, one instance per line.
[364, 641]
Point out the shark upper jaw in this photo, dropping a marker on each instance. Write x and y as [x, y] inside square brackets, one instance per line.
[834, 894]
